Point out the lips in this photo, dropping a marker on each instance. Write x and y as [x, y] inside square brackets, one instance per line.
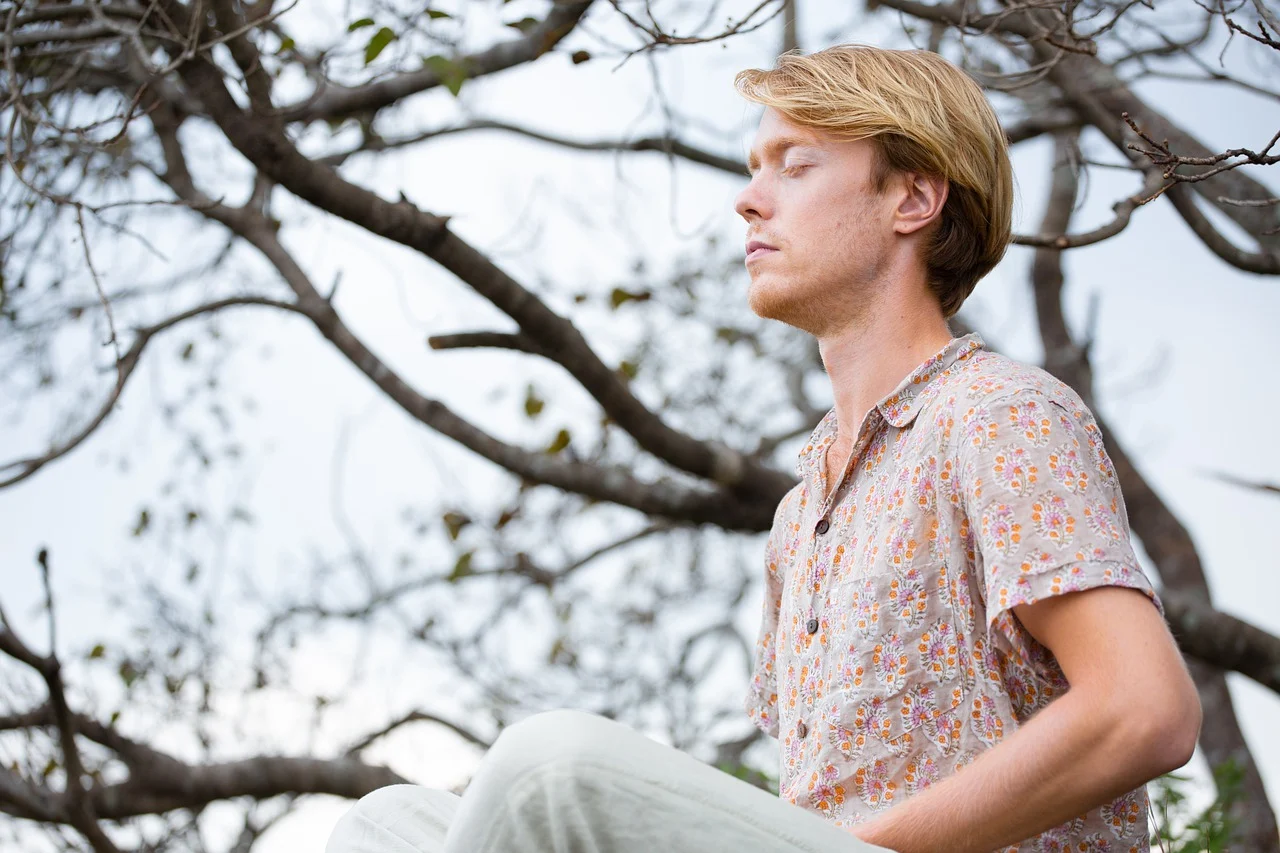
[757, 249]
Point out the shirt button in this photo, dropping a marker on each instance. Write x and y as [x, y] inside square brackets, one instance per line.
[823, 526]
[812, 626]
[801, 730]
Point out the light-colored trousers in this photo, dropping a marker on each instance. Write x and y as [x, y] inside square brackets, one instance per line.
[571, 782]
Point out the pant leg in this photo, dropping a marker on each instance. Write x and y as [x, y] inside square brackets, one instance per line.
[395, 819]
[569, 782]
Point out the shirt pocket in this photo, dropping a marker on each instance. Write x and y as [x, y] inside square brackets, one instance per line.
[899, 673]
[870, 724]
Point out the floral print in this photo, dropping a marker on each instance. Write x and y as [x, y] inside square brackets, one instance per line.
[888, 655]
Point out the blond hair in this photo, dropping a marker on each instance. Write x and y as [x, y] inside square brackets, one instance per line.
[926, 116]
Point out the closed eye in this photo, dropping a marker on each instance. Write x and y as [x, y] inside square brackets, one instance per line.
[792, 169]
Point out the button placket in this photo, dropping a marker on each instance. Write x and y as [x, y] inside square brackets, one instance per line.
[870, 425]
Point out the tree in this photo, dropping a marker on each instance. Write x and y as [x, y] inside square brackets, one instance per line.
[213, 135]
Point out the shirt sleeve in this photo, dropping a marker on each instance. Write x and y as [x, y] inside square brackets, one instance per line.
[761, 702]
[1044, 508]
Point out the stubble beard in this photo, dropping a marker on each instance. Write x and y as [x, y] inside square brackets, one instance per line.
[809, 304]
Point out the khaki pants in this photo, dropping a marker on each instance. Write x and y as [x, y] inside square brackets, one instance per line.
[570, 782]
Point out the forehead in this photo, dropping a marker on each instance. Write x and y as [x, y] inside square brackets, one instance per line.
[775, 135]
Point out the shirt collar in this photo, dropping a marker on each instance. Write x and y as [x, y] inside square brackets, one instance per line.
[899, 407]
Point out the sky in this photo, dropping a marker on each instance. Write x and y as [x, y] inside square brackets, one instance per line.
[1181, 346]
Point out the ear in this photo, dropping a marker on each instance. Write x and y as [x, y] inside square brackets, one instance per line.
[921, 201]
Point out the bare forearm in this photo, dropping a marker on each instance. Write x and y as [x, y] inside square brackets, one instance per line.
[1063, 762]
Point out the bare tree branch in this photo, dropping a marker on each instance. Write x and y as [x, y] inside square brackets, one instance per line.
[333, 102]
[124, 369]
[403, 223]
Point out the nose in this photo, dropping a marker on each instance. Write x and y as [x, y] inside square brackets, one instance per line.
[751, 203]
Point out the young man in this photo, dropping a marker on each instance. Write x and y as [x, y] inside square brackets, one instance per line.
[957, 552]
[955, 556]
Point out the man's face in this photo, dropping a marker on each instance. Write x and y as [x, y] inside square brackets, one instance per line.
[812, 199]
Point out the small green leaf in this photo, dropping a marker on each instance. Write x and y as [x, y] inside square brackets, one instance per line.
[524, 24]
[452, 73]
[454, 522]
[728, 334]
[128, 673]
[533, 404]
[620, 296]
[377, 43]
[97, 651]
[629, 369]
[436, 14]
[560, 443]
[462, 568]
[144, 521]
[286, 44]
[359, 25]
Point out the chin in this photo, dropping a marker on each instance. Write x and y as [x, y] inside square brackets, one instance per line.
[771, 299]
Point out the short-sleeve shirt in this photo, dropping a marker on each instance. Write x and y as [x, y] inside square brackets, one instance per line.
[889, 656]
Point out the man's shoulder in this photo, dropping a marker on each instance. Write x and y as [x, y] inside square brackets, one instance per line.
[990, 378]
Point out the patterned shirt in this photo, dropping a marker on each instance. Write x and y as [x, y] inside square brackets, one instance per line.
[889, 656]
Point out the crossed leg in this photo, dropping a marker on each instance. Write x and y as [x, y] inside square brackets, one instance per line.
[570, 782]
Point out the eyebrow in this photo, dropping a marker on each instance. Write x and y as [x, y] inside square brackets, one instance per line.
[777, 146]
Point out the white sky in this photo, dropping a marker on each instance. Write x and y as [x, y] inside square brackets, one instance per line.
[1163, 298]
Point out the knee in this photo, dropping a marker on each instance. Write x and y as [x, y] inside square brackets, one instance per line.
[381, 803]
[562, 739]
[393, 815]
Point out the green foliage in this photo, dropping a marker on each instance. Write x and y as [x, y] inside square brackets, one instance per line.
[377, 43]
[755, 777]
[533, 404]
[1179, 829]
[462, 568]
[452, 72]
[560, 442]
[525, 24]
[620, 296]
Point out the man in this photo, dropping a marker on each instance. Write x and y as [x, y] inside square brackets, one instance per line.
[957, 552]
[955, 556]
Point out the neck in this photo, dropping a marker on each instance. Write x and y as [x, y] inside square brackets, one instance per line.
[868, 358]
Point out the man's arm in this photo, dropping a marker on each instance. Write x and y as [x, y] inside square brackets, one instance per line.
[1132, 713]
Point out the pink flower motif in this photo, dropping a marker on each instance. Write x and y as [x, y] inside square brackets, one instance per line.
[1101, 519]
[874, 784]
[1000, 528]
[985, 720]
[890, 662]
[902, 548]
[979, 427]
[1125, 815]
[1029, 417]
[1067, 468]
[938, 650]
[1014, 469]
[1052, 519]
[921, 773]
[1093, 843]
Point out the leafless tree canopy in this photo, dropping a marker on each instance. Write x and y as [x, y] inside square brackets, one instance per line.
[196, 132]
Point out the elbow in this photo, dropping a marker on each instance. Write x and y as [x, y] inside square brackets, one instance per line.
[1173, 728]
